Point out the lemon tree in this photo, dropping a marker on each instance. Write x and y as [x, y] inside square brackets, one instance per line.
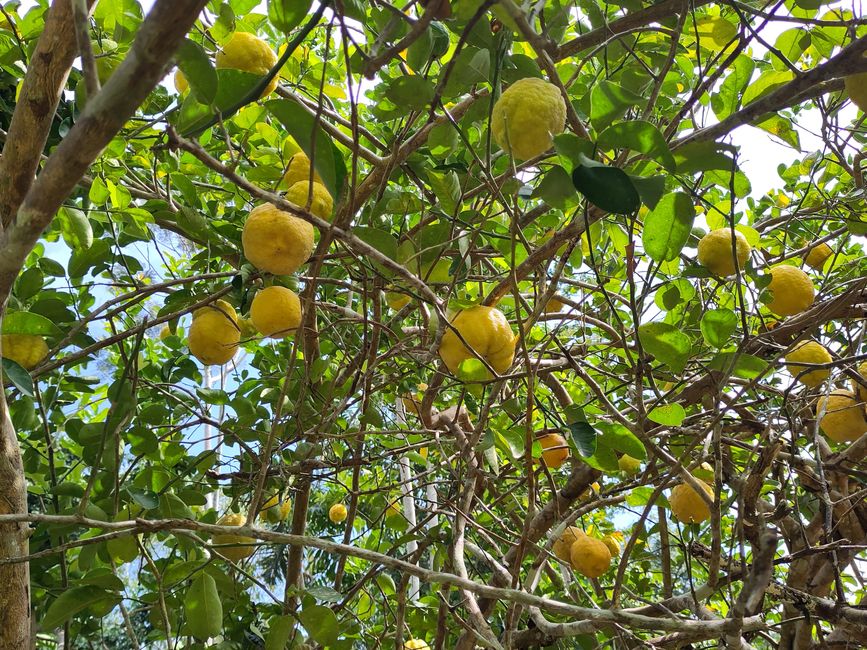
[439, 324]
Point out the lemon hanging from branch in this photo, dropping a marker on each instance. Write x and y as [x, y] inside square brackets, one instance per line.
[527, 116]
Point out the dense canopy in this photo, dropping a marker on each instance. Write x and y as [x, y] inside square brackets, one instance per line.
[433, 324]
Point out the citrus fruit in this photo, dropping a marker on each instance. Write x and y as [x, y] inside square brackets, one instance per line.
[298, 170]
[856, 88]
[687, 505]
[715, 251]
[274, 510]
[181, 83]
[553, 306]
[792, 289]
[214, 333]
[237, 547]
[555, 450]
[594, 487]
[165, 332]
[276, 241]
[392, 510]
[843, 419]
[248, 329]
[321, 203]
[396, 301]
[337, 513]
[27, 350]
[415, 644]
[247, 52]
[276, 312]
[808, 352]
[563, 545]
[628, 464]
[612, 544]
[858, 388]
[527, 116]
[817, 256]
[486, 330]
[589, 556]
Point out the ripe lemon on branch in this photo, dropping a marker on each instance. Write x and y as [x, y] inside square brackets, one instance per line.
[590, 556]
[486, 330]
[527, 116]
[27, 350]
[856, 88]
[249, 53]
[808, 352]
[842, 416]
[237, 547]
[298, 170]
[687, 505]
[817, 256]
[274, 511]
[858, 388]
[792, 289]
[321, 203]
[562, 547]
[337, 513]
[555, 450]
[214, 335]
[276, 241]
[715, 251]
[276, 312]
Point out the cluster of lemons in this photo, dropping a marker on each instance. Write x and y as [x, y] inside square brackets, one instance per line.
[842, 413]
[236, 547]
[588, 555]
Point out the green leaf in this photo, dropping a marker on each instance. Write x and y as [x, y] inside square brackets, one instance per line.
[606, 187]
[618, 437]
[746, 366]
[202, 608]
[321, 623]
[384, 242]
[768, 82]
[728, 99]
[570, 148]
[671, 415]
[213, 396]
[782, 128]
[650, 188]
[75, 228]
[447, 187]
[279, 630]
[609, 102]
[196, 65]
[285, 15]
[302, 126]
[171, 507]
[71, 602]
[717, 325]
[667, 227]
[556, 187]
[584, 436]
[667, 343]
[25, 322]
[640, 136]
[704, 156]
[412, 92]
[18, 376]
[233, 87]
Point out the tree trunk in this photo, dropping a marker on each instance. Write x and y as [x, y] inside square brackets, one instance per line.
[14, 578]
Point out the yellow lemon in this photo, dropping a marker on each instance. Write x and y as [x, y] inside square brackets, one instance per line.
[856, 88]
[27, 350]
[589, 556]
[165, 332]
[553, 306]
[337, 513]
[393, 510]
[818, 255]
[396, 301]
[843, 419]
[808, 352]
[276, 241]
[562, 547]
[527, 116]
[276, 312]
[415, 644]
[687, 505]
[628, 464]
[612, 545]
[555, 450]
[792, 289]
[181, 83]
[858, 388]
[715, 251]
[214, 334]
[274, 510]
[299, 170]
[321, 203]
[247, 52]
[237, 547]
[486, 330]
